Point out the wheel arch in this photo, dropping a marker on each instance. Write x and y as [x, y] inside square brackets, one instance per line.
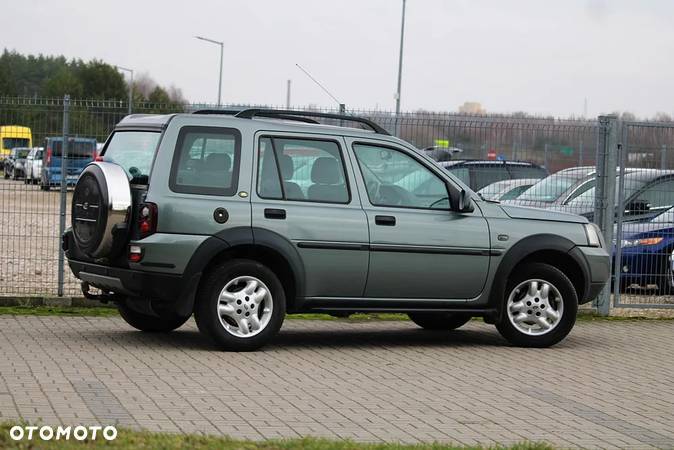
[551, 249]
[263, 246]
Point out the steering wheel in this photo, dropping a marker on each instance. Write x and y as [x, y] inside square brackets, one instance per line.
[390, 194]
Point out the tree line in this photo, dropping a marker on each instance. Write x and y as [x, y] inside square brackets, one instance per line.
[54, 76]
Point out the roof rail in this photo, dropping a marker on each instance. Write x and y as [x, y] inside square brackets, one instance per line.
[302, 115]
[235, 112]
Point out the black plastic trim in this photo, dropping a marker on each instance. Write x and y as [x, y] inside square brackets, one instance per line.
[333, 245]
[287, 113]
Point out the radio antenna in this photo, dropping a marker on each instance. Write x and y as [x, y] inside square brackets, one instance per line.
[319, 84]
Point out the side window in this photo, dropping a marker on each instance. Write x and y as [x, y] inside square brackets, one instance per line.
[206, 161]
[660, 194]
[395, 179]
[301, 170]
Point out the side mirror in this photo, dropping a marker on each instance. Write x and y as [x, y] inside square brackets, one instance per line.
[637, 207]
[461, 201]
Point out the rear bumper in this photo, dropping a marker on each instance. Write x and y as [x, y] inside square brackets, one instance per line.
[127, 282]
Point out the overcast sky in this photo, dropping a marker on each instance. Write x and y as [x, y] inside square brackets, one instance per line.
[538, 56]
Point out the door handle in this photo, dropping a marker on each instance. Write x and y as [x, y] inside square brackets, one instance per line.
[387, 221]
[272, 213]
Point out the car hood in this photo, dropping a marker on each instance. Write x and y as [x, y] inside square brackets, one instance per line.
[636, 228]
[521, 212]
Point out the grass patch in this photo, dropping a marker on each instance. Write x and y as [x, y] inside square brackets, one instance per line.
[127, 439]
[58, 311]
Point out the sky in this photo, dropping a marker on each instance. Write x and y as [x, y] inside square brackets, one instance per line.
[538, 56]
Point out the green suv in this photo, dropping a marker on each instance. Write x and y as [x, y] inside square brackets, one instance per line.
[242, 217]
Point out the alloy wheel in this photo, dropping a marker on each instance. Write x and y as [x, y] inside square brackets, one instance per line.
[535, 307]
[245, 306]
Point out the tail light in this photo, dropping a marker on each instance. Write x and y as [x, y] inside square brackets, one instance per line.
[48, 155]
[147, 219]
[135, 253]
[98, 157]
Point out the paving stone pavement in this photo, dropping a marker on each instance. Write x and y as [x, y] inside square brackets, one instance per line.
[609, 385]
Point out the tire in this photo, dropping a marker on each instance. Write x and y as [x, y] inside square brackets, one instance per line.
[522, 300]
[439, 321]
[44, 187]
[233, 278]
[666, 281]
[147, 323]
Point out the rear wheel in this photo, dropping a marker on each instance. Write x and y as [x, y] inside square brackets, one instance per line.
[152, 324]
[240, 306]
[439, 321]
[539, 308]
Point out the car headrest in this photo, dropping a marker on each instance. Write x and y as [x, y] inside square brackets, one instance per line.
[218, 161]
[325, 171]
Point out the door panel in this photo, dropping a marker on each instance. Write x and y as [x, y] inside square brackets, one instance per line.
[416, 249]
[327, 226]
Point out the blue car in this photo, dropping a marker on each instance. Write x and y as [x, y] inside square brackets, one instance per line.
[648, 253]
[81, 151]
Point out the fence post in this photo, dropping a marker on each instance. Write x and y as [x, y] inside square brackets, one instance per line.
[604, 202]
[63, 193]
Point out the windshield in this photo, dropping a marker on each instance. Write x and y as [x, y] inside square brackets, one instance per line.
[665, 217]
[549, 189]
[23, 153]
[15, 142]
[587, 197]
[133, 151]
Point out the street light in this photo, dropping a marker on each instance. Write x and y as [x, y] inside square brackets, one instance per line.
[221, 44]
[400, 61]
[130, 85]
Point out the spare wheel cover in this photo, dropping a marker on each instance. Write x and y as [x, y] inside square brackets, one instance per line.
[101, 203]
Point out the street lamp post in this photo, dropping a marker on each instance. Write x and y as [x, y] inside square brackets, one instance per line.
[130, 85]
[221, 44]
[400, 61]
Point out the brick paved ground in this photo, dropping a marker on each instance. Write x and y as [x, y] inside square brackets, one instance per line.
[608, 385]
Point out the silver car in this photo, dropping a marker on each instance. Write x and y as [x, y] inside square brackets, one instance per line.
[33, 166]
[507, 189]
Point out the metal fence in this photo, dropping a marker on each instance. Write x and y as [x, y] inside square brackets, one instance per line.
[616, 174]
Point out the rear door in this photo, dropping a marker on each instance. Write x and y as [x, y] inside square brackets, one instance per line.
[419, 247]
[305, 194]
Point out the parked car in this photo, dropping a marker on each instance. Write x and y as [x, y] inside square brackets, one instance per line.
[647, 253]
[647, 193]
[440, 154]
[557, 189]
[245, 217]
[81, 151]
[507, 189]
[34, 166]
[15, 163]
[479, 173]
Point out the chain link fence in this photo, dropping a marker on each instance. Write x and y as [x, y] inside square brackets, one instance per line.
[619, 175]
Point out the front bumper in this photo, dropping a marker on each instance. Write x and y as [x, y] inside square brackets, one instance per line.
[596, 270]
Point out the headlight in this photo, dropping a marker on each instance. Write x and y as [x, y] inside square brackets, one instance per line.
[593, 235]
[646, 241]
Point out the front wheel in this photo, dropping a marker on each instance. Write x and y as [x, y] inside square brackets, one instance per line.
[240, 306]
[540, 306]
[152, 324]
[439, 321]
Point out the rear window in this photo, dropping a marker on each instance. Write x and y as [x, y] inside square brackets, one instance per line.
[76, 149]
[527, 172]
[133, 151]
